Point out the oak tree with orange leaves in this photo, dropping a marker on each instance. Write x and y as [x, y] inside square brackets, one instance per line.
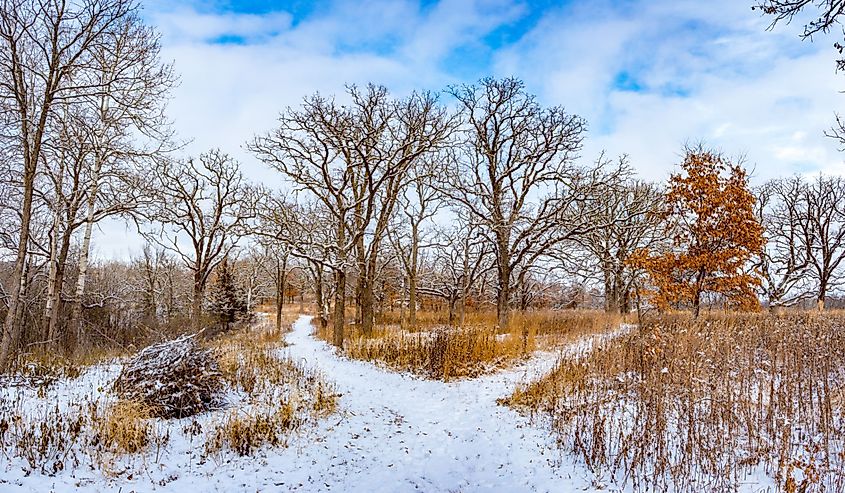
[713, 234]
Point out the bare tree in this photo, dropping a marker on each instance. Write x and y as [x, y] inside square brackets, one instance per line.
[630, 211]
[124, 123]
[271, 257]
[827, 14]
[461, 257]
[148, 267]
[514, 172]
[45, 58]
[826, 17]
[205, 205]
[354, 161]
[784, 265]
[304, 231]
[822, 228]
[419, 202]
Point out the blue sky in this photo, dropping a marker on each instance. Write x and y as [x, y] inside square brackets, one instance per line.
[648, 75]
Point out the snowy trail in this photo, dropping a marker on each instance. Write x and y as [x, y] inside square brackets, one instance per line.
[393, 432]
[397, 432]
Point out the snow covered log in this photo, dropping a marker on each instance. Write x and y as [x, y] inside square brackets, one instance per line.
[176, 378]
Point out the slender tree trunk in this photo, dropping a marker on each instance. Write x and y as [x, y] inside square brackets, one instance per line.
[76, 313]
[610, 295]
[319, 300]
[196, 304]
[12, 324]
[412, 276]
[279, 304]
[75, 328]
[53, 265]
[699, 288]
[402, 303]
[412, 301]
[504, 294]
[281, 275]
[696, 305]
[367, 305]
[21, 309]
[54, 335]
[51, 292]
[339, 308]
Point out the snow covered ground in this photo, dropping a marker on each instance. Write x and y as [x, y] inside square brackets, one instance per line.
[393, 432]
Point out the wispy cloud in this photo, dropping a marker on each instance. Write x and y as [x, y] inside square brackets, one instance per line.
[649, 75]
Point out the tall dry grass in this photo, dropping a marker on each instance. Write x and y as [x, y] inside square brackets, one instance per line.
[705, 405]
[435, 350]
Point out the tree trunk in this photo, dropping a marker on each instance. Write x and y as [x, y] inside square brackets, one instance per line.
[280, 302]
[76, 313]
[402, 303]
[696, 300]
[318, 297]
[53, 264]
[696, 305]
[12, 324]
[339, 308]
[412, 301]
[281, 277]
[503, 296]
[822, 295]
[75, 329]
[611, 301]
[54, 335]
[367, 304]
[196, 304]
[503, 260]
[412, 276]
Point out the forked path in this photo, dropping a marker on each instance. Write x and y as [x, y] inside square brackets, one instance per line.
[397, 432]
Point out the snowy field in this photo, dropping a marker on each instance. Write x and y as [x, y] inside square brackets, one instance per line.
[392, 432]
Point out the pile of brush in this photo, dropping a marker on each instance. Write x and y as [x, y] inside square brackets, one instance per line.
[176, 378]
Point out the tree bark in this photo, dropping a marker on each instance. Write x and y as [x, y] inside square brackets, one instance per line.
[54, 335]
[367, 304]
[452, 301]
[12, 324]
[318, 298]
[412, 301]
[281, 275]
[196, 304]
[339, 308]
[504, 291]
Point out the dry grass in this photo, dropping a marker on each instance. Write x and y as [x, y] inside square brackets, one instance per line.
[434, 350]
[290, 397]
[243, 433]
[687, 405]
[247, 358]
[126, 428]
[279, 394]
[269, 397]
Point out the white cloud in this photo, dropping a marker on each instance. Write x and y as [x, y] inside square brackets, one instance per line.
[707, 70]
